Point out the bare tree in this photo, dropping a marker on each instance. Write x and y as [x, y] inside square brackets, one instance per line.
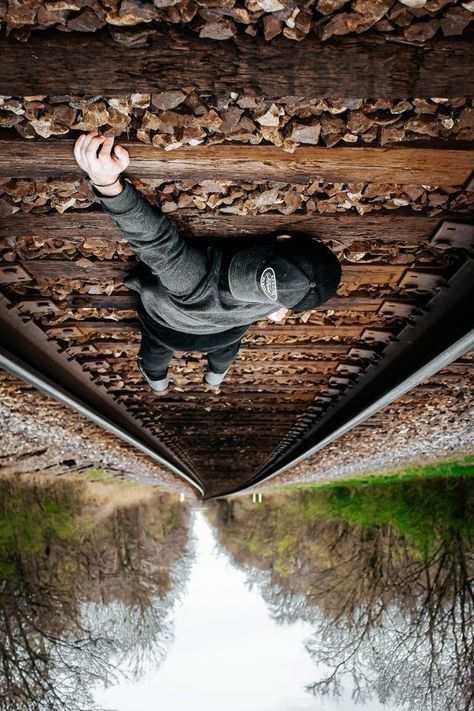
[89, 603]
[391, 603]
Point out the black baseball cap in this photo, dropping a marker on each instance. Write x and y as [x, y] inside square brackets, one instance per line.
[298, 273]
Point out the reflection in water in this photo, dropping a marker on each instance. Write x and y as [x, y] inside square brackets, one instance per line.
[378, 580]
[88, 576]
[227, 653]
[384, 575]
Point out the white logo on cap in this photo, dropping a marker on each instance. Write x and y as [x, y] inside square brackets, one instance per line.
[268, 283]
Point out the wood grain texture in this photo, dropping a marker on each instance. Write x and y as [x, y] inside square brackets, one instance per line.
[410, 165]
[298, 331]
[104, 346]
[370, 65]
[355, 274]
[128, 300]
[74, 226]
[68, 269]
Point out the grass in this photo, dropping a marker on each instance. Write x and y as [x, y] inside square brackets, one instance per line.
[27, 525]
[422, 503]
[458, 467]
[98, 475]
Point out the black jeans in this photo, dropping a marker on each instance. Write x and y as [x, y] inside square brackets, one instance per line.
[158, 345]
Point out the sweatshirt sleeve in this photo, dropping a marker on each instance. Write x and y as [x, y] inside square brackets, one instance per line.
[180, 267]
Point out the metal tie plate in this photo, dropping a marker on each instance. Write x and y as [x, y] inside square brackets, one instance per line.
[454, 234]
[421, 281]
[11, 273]
[396, 308]
[373, 335]
[346, 368]
[38, 306]
[363, 354]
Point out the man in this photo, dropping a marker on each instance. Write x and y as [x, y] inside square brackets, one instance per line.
[195, 298]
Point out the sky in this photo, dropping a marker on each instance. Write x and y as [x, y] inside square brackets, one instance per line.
[227, 653]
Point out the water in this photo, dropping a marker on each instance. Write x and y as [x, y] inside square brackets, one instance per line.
[228, 652]
[123, 598]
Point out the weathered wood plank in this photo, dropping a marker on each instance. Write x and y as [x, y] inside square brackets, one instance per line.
[129, 301]
[369, 65]
[243, 398]
[74, 226]
[372, 274]
[240, 365]
[407, 165]
[211, 422]
[306, 330]
[190, 406]
[126, 300]
[104, 346]
[404, 226]
[69, 269]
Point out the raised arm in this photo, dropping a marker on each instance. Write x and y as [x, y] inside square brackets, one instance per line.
[180, 267]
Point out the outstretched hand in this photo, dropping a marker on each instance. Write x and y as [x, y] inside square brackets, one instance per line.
[93, 154]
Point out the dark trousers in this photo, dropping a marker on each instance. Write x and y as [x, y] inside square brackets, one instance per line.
[155, 355]
[155, 358]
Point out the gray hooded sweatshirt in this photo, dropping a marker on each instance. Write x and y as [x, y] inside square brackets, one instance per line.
[184, 287]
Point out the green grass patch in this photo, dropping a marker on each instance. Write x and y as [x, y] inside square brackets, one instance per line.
[106, 478]
[422, 510]
[459, 467]
[422, 503]
[27, 525]
[98, 475]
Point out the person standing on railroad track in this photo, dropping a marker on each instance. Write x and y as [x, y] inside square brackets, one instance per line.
[201, 298]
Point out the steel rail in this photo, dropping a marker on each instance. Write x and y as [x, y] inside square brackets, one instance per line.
[457, 350]
[27, 374]
[23, 339]
[452, 309]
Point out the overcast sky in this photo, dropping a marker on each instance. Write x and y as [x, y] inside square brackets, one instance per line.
[227, 654]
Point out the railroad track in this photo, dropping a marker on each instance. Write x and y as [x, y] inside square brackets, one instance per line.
[394, 199]
[339, 374]
[27, 355]
[440, 336]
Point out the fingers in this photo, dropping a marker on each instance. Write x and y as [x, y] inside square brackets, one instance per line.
[117, 155]
[95, 152]
[91, 150]
[106, 148]
[122, 156]
[81, 145]
[78, 147]
[88, 138]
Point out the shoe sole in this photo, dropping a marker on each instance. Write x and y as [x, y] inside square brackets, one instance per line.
[160, 392]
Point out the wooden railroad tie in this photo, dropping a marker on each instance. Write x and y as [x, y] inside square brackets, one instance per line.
[73, 329]
[405, 165]
[125, 301]
[403, 226]
[355, 274]
[368, 65]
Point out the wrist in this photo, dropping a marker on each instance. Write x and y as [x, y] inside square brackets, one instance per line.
[108, 189]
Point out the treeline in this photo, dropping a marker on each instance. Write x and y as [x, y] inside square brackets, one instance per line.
[88, 575]
[383, 573]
